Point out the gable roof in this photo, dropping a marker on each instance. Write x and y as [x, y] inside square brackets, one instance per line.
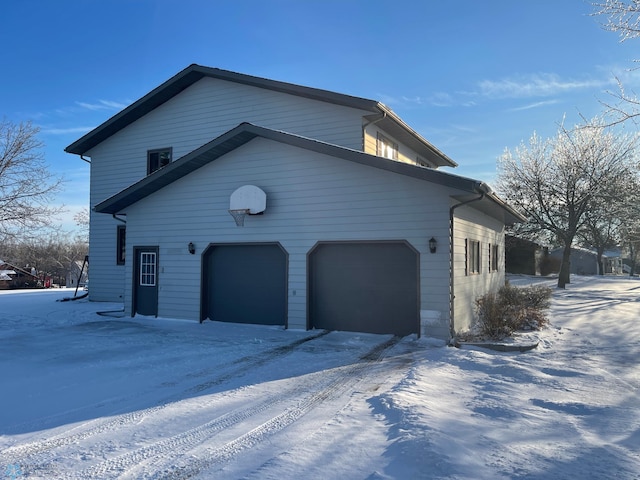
[10, 269]
[382, 115]
[245, 132]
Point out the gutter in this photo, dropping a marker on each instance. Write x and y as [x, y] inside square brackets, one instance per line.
[484, 189]
[372, 119]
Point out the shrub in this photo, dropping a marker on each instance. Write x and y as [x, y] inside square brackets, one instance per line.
[512, 309]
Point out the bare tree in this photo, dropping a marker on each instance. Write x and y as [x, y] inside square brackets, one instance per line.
[623, 18]
[82, 219]
[600, 232]
[26, 185]
[629, 229]
[631, 242]
[49, 256]
[606, 221]
[556, 182]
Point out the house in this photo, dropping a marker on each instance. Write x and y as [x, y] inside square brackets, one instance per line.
[523, 256]
[342, 218]
[78, 274]
[15, 277]
[583, 260]
[612, 260]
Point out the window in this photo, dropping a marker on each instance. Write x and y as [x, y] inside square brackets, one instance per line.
[493, 258]
[473, 257]
[148, 269]
[156, 159]
[121, 241]
[386, 148]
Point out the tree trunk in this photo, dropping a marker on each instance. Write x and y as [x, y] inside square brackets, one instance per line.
[565, 267]
[600, 262]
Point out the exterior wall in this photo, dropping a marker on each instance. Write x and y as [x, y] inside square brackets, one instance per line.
[583, 262]
[196, 116]
[522, 256]
[405, 154]
[310, 197]
[474, 225]
[76, 276]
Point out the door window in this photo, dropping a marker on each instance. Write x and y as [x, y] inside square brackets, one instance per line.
[147, 269]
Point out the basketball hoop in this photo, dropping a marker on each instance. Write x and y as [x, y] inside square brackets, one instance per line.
[246, 200]
[238, 215]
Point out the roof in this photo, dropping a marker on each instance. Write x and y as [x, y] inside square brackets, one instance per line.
[245, 132]
[387, 119]
[4, 274]
[7, 268]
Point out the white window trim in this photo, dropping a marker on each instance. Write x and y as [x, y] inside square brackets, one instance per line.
[473, 256]
[384, 146]
[148, 269]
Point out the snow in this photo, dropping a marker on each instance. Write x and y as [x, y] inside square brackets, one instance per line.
[92, 396]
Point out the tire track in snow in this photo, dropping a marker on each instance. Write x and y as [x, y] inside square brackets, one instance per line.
[18, 453]
[335, 383]
[184, 441]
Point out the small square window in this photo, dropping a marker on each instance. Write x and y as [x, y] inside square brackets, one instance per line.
[386, 148]
[156, 159]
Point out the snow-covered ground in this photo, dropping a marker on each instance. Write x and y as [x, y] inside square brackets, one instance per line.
[89, 396]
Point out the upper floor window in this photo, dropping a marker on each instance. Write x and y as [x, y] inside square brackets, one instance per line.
[386, 148]
[156, 159]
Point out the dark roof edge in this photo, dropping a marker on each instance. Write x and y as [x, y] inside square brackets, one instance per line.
[245, 132]
[188, 77]
[194, 73]
[136, 110]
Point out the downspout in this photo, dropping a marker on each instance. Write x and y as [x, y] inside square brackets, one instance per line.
[452, 331]
[82, 158]
[114, 215]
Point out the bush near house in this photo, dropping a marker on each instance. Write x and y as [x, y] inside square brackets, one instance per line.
[512, 309]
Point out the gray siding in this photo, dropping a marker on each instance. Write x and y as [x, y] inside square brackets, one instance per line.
[474, 225]
[310, 197]
[201, 113]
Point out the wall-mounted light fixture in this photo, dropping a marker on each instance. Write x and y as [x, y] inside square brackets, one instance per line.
[192, 248]
[432, 245]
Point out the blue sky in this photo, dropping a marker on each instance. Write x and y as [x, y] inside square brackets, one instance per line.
[473, 77]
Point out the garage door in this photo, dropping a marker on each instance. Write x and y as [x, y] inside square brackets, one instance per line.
[245, 283]
[364, 287]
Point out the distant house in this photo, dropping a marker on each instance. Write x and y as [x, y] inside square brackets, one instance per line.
[613, 262]
[524, 256]
[15, 277]
[78, 274]
[583, 261]
[341, 218]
